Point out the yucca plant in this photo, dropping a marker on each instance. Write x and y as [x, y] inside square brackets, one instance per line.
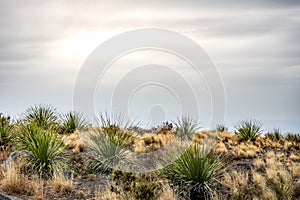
[104, 153]
[44, 116]
[198, 168]
[186, 127]
[284, 188]
[275, 135]
[73, 121]
[6, 131]
[43, 147]
[6, 134]
[221, 128]
[248, 130]
[107, 144]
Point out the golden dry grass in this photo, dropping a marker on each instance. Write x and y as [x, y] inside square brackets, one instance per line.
[14, 182]
[61, 185]
[168, 194]
[74, 142]
[259, 163]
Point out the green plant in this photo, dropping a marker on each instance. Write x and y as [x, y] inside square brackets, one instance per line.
[6, 134]
[248, 130]
[43, 147]
[186, 127]
[72, 121]
[44, 116]
[104, 154]
[145, 190]
[284, 188]
[275, 135]
[198, 168]
[221, 128]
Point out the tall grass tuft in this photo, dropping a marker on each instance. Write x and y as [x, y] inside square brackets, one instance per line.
[198, 168]
[43, 147]
[186, 127]
[248, 130]
[275, 135]
[107, 145]
[73, 121]
[6, 134]
[44, 116]
[221, 128]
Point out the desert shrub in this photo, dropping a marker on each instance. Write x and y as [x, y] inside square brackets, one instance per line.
[104, 151]
[44, 116]
[61, 184]
[73, 121]
[221, 128]
[275, 135]
[284, 188]
[6, 134]
[198, 168]
[145, 190]
[108, 144]
[14, 182]
[248, 130]
[43, 147]
[295, 138]
[186, 127]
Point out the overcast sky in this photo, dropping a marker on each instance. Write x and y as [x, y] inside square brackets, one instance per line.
[255, 46]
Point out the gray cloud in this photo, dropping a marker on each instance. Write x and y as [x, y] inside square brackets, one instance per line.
[255, 45]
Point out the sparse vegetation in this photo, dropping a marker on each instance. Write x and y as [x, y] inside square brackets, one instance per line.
[221, 128]
[33, 149]
[248, 130]
[42, 147]
[73, 121]
[44, 116]
[197, 168]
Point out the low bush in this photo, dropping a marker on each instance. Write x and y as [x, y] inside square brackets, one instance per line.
[248, 130]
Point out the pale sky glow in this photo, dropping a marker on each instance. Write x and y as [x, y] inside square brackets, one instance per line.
[254, 45]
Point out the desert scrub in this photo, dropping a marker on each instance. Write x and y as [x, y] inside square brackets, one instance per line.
[186, 127]
[14, 182]
[108, 145]
[44, 116]
[196, 168]
[275, 135]
[73, 121]
[43, 147]
[221, 128]
[7, 134]
[248, 130]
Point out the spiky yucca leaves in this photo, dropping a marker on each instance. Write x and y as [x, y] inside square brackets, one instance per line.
[275, 135]
[221, 128]
[6, 134]
[248, 130]
[43, 147]
[73, 121]
[103, 151]
[186, 127]
[6, 131]
[196, 167]
[44, 116]
[107, 145]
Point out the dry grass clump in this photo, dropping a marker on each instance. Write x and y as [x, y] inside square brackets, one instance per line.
[237, 182]
[295, 170]
[259, 163]
[106, 195]
[74, 142]
[14, 182]
[168, 194]
[61, 185]
[220, 148]
[245, 150]
[294, 157]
